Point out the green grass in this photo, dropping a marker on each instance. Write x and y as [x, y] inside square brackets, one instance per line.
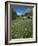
[21, 28]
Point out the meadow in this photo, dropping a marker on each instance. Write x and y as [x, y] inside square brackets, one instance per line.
[21, 27]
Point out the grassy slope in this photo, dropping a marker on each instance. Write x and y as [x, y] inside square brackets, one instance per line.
[21, 28]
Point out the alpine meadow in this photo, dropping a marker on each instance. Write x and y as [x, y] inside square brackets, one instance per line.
[21, 25]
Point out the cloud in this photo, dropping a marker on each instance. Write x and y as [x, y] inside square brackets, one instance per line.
[19, 13]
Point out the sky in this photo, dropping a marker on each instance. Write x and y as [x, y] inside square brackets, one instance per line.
[21, 10]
